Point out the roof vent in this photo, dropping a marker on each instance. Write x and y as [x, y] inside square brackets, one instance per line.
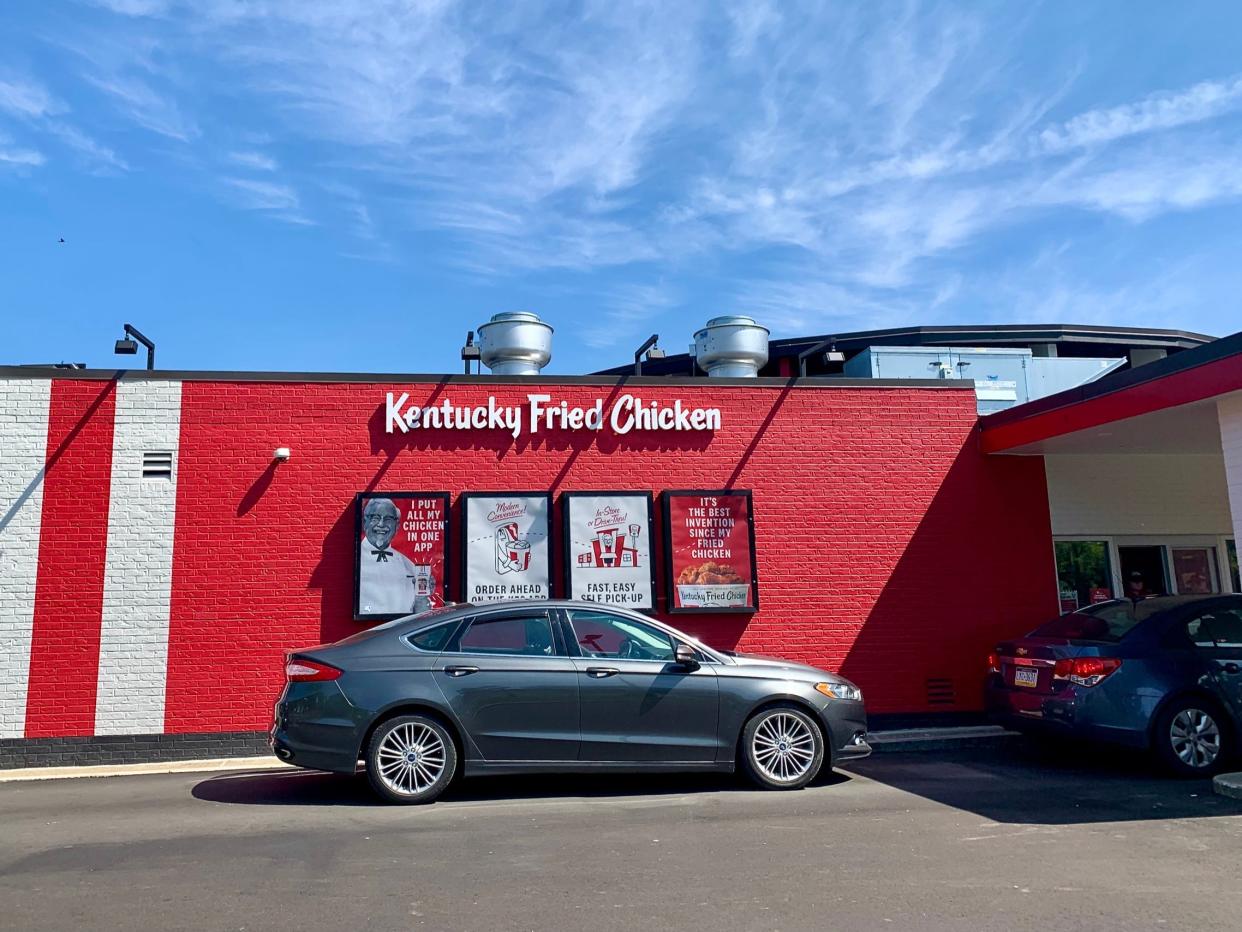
[515, 343]
[732, 347]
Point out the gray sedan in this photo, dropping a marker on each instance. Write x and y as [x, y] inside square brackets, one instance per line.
[555, 686]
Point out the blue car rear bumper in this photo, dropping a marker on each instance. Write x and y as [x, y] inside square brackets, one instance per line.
[1071, 713]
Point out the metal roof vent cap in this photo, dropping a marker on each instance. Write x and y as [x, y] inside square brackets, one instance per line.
[515, 343]
[732, 347]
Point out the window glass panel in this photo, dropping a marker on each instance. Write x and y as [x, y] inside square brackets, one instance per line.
[1231, 547]
[1199, 634]
[1192, 569]
[601, 634]
[1221, 627]
[516, 635]
[433, 639]
[1083, 573]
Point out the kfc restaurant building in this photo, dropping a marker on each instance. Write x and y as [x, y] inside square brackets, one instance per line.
[166, 536]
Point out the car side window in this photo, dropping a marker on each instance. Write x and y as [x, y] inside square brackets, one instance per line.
[433, 639]
[523, 634]
[605, 635]
[1216, 628]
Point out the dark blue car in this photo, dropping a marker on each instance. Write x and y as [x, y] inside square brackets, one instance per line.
[1162, 674]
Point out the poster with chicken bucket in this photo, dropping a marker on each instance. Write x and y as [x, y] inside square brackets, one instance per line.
[505, 539]
[608, 557]
[709, 538]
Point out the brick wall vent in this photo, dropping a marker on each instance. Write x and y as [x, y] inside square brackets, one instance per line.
[940, 692]
[157, 464]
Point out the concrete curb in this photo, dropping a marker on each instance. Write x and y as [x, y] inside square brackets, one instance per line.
[1228, 784]
[882, 742]
[941, 739]
[129, 770]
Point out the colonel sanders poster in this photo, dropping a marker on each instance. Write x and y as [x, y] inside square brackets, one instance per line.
[506, 548]
[400, 545]
[710, 547]
[608, 557]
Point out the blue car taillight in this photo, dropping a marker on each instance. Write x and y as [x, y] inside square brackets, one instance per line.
[1086, 671]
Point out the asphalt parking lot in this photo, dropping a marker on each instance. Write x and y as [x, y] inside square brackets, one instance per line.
[1015, 839]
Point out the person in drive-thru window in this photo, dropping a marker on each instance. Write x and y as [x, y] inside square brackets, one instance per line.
[1136, 588]
[385, 577]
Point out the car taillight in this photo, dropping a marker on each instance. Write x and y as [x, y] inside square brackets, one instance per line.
[305, 671]
[993, 663]
[1085, 671]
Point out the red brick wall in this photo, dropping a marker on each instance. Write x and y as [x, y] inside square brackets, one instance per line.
[888, 546]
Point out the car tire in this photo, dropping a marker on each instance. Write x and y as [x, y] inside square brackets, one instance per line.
[411, 759]
[1192, 737]
[782, 748]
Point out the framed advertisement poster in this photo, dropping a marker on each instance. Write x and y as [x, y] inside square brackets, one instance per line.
[709, 546]
[608, 554]
[506, 553]
[400, 545]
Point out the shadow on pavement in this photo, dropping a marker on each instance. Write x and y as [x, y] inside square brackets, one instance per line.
[1037, 783]
[314, 788]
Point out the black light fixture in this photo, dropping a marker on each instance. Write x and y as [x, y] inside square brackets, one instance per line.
[832, 355]
[652, 351]
[126, 346]
[469, 352]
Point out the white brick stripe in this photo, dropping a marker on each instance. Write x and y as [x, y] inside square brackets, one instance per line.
[24, 407]
[1229, 413]
[133, 650]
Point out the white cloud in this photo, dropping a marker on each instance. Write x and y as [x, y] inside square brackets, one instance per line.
[146, 106]
[134, 7]
[20, 158]
[275, 200]
[1154, 113]
[96, 155]
[254, 160]
[25, 98]
[263, 195]
[624, 312]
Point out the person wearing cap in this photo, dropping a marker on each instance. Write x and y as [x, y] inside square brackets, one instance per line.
[1136, 588]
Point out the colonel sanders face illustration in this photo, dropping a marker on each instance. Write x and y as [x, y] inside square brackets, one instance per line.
[379, 520]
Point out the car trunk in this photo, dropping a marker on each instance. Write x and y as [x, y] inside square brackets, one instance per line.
[1027, 664]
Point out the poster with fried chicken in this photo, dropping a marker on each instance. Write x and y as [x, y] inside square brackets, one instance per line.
[608, 548]
[710, 551]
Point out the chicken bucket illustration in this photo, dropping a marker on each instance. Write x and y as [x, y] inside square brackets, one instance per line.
[512, 550]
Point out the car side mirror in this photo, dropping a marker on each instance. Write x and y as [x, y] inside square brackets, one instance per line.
[684, 656]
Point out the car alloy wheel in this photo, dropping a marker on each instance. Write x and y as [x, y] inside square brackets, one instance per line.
[411, 759]
[783, 748]
[1195, 738]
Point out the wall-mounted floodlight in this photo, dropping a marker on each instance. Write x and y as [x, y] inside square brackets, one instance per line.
[126, 346]
[652, 351]
[832, 354]
[281, 454]
[469, 352]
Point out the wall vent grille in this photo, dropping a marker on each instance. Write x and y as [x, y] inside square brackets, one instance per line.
[940, 692]
[157, 464]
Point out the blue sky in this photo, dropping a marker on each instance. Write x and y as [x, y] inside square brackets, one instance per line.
[351, 186]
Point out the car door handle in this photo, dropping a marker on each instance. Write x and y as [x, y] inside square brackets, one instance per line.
[600, 672]
[460, 671]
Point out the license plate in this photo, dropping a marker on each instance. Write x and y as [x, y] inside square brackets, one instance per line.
[1026, 676]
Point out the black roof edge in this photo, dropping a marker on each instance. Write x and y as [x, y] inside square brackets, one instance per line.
[603, 380]
[1017, 333]
[983, 334]
[1118, 381]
